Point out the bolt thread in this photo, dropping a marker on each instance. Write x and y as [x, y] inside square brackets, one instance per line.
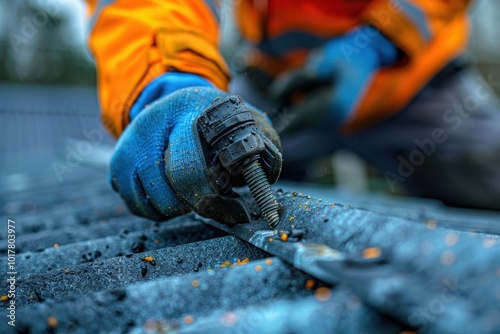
[260, 188]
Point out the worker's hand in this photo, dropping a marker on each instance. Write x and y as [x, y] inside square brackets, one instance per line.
[159, 167]
[335, 77]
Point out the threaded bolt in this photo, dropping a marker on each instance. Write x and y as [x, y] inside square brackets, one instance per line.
[256, 179]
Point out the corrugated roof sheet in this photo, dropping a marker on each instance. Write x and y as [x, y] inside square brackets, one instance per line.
[81, 262]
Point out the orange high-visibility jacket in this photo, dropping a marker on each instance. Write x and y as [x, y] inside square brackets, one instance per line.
[133, 42]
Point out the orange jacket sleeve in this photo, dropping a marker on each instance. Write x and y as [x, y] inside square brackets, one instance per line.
[430, 32]
[133, 42]
[412, 25]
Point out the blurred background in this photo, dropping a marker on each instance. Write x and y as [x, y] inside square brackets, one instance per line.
[49, 116]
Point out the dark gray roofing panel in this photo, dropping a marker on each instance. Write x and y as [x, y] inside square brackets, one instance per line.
[83, 262]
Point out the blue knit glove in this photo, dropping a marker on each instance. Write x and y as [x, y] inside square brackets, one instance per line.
[335, 77]
[159, 167]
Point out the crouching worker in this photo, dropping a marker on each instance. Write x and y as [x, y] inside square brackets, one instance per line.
[381, 77]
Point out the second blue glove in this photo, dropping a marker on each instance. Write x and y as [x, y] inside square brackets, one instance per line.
[336, 76]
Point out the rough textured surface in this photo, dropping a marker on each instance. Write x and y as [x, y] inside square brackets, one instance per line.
[118, 272]
[167, 235]
[175, 298]
[416, 209]
[431, 278]
[343, 312]
[421, 262]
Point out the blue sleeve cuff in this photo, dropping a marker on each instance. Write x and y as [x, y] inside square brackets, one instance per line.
[162, 86]
[387, 51]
